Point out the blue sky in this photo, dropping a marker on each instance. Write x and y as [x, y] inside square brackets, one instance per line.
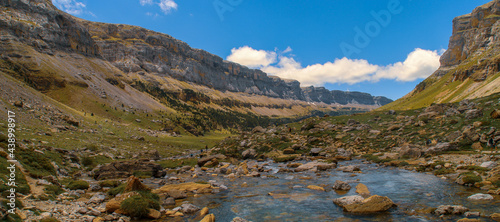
[383, 47]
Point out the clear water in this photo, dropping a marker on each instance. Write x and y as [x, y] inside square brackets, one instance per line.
[414, 193]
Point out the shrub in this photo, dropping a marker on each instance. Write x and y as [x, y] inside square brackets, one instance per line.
[37, 164]
[78, 185]
[87, 161]
[281, 159]
[470, 178]
[53, 189]
[110, 183]
[115, 191]
[443, 171]
[135, 206]
[92, 147]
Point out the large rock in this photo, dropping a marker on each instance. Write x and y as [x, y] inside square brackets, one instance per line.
[341, 185]
[441, 147]
[114, 204]
[124, 169]
[202, 161]
[450, 209]
[370, 205]
[473, 113]
[362, 190]
[134, 184]
[348, 200]
[249, 154]
[189, 208]
[208, 218]
[186, 187]
[349, 169]
[480, 196]
[495, 114]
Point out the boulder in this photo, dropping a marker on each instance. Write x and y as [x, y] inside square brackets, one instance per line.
[258, 129]
[489, 164]
[349, 169]
[288, 151]
[314, 187]
[134, 184]
[153, 214]
[189, 208]
[362, 190]
[495, 114]
[468, 220]
[473, 113]
[204, 160]
[123, 169]
[169, 201]
[370, 205]
[441, 147]
[495, 217]
[186, 187]
[204, 211]
[208, 218]
[480, 196]
[348, 200]
[315, 151]
[249, 154]
[341, 185]
[325, 166]
[239, 219]
[450, 209]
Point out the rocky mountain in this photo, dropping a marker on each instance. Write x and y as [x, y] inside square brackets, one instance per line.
[321, 94]
[135, 50]
[469, 68]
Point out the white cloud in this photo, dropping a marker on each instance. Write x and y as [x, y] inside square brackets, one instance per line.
[419, 64]
[146, 2]
[166, 6]
[70, 6]
[252, 58]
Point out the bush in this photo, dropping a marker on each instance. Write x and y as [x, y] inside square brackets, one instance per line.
[135, 206]
[92, 147]
[78, 185]
[443, 171]
[110, 183]
[87, 161]
[37, 164]
[115, 191]
[470, 178]
[281, 159]
[53, 189]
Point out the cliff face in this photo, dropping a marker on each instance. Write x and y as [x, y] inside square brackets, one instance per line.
[321, 94]
[135, 50]
[469, 68]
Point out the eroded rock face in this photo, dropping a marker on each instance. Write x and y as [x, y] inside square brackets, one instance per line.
[132, 49]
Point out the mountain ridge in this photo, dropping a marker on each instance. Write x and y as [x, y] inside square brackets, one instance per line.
[134, 49]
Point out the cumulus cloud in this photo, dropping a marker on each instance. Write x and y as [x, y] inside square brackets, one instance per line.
[419, 64]
[70, 6]
[166, 6]
[252, 58]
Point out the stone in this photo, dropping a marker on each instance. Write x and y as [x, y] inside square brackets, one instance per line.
[477, 146]
[153, 214]
[314, 187]
[315, 151]
[349, 169]
[239, 219]
[495, 217]
[489, 164]
[480, 196]
[348, 200]
[362, 190]
[204, 211]
[450, 209]
[249, 154]
[370, 205]
[393, 128]
[208, 218]
[204, 160]
[341, 185]
[97, 198]
[288, 151]
[134, 184]
[472, 214]
[495, 114]
[324, 167]
[441, 147]
[169, 201]
[473, 113]
[468, 220]
[177, 194]
[45, 215]
[189, 208]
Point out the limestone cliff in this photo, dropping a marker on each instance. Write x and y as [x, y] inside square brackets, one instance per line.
[469, 68]
[138, 51]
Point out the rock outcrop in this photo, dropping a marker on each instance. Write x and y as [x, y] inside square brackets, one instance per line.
[133, 49]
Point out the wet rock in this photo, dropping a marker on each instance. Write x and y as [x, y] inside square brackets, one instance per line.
[370, 205]
[314, 187]
[348, 200]
[189, 208]
[341, 185]
[495, 217]
[450, 209]
[204, 211]
[349, 169]
[208, 218]
[249, 154]
[480, 196]
[362, 190]
[324, 166]
[184, 187]
[468, 220]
